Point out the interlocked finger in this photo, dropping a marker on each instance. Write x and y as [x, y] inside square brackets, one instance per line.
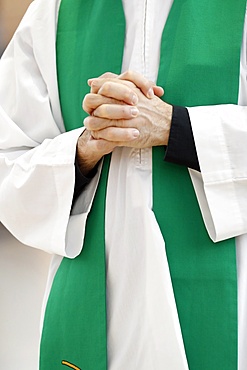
[116, 111]
[93, 123]
[149, 88]
[96, 83]
[93, 101]
[131, 78]
[140, 81]
[123, 91]
[116, 134]
[104, 76]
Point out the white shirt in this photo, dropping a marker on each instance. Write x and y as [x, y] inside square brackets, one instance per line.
[52, 161]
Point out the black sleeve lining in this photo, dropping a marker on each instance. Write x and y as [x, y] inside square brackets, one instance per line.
[81, 181]
[181, 147]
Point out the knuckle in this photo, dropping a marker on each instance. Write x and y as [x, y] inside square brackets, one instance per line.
[125, 112]
[128, 95]
[130, 74]
[85, 122]
[102, 111]
[129, 84]
[106, 110]
[89, 123]
[106, 87]
[89, 102]
[110, 134]
[109, 75]
[95, 85]
[85, 101]
[105, 75]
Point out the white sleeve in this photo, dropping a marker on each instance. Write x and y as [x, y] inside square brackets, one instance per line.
[36, 156]
[220, 134]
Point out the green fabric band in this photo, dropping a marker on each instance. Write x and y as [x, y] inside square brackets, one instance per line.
[196, 68]
[75, 320]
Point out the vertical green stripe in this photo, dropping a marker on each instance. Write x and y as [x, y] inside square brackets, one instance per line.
[75, 320]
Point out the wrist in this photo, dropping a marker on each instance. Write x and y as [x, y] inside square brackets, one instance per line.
[86, 159]
[166, 112]
[168, 121]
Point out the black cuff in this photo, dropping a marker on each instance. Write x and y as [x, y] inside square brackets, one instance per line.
[181, 147]
[81, 181]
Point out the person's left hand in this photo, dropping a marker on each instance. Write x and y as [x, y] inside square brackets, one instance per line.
[113, 111]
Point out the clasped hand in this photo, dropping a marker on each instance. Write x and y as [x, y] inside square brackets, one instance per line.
[123, 110]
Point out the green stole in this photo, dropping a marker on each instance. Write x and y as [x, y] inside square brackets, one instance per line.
[197, 67]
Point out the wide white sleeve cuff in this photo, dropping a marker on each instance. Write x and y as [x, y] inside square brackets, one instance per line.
[36, 192]
[220, 134]
[37, 171]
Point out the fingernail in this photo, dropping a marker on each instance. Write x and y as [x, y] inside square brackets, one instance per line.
[135, 134]
[150, 93]
[134, 112]
[134, 99]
